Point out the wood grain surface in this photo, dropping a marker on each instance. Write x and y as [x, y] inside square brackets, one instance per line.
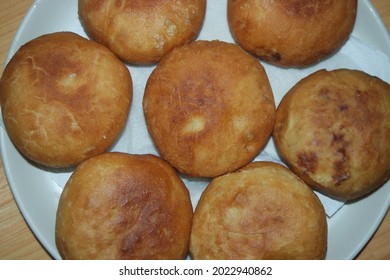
[17, 240]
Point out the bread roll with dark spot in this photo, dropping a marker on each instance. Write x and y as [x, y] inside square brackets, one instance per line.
[333, 129]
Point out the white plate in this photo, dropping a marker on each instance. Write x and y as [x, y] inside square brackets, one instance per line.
[37, 194]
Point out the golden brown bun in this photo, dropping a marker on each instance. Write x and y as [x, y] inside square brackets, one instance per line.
[209, 108]
[263, 211]
[333, 129]
[291, 32]
[64, 99]
[120, 206]
[140, 31]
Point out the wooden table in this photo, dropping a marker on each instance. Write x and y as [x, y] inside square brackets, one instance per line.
[16, 239]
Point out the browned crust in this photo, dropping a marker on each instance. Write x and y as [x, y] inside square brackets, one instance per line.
[333, 130]
[263, 211]
[142, 31]
[291, 32]
[209, 108]
[64, 99]
[120, 206]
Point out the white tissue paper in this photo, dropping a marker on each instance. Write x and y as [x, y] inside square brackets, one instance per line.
[135, 138]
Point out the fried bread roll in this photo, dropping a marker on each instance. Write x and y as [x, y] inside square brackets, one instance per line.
[262, 211]
[121, 206]
[291, 32]
[64, 99]
[140, 31]
[333, 129]
[209, 108]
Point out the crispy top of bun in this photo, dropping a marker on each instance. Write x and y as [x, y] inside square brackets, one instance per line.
[120, 206]
[64, 99]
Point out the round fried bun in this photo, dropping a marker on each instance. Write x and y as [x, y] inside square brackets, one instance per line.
[291, 32]
[121, 206]
[333, 129]
[140, 31]
[263, 211]
[64, 99]
[209, 108]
